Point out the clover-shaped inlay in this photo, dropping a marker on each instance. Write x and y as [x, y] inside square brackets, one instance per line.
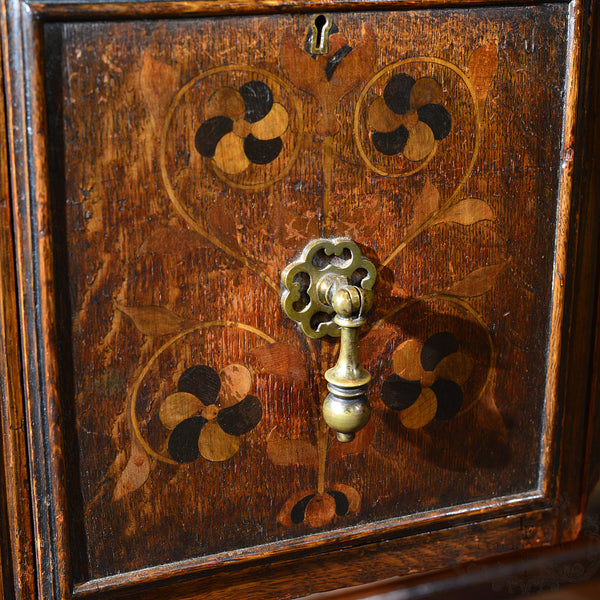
[209, 412]
[242, 127]
[427, 380]
[300, 280]
[409, 117]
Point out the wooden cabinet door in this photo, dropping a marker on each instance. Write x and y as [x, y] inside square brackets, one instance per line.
[169, 160]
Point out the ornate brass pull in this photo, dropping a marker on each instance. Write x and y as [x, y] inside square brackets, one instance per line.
[328, 290]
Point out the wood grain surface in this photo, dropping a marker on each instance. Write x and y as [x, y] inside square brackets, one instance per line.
[172, 256]
[17, 550]
[173, 167]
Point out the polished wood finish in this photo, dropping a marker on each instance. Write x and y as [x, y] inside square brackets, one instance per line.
[66, 11]
[141, 254]
[17, 537]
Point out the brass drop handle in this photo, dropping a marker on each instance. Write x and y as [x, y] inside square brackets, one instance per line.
[328, 290]
[346, 407]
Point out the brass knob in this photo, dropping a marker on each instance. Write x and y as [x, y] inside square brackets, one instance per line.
[327, 291]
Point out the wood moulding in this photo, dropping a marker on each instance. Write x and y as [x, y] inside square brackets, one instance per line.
[570, 346]
[299, 576]
[70, 11]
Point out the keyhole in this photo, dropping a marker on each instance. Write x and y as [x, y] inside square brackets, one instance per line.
[320, 37]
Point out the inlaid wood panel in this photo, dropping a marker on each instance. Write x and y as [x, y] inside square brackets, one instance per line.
[190, 161]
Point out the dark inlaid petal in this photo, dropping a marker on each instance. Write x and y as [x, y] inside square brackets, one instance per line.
[449, 396]
[397, 93]
[262, 152]
[438, 119]
[398, 393]
[335, 60]
[202, 381]
[183, 441]
[438, 346]
[299, 509]
[258, 99]
[241, 417]
[341, 502]
[390, 143]
[210, 133]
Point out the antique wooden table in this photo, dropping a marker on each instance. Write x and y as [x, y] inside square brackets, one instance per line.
[164, 162]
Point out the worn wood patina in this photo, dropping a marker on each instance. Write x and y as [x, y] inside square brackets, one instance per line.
[165, 170]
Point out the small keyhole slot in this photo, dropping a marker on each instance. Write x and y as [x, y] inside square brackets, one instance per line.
[320, 35]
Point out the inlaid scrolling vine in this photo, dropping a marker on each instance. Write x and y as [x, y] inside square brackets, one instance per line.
[247, 126]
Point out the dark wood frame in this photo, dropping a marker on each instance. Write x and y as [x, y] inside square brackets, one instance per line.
[34, 475]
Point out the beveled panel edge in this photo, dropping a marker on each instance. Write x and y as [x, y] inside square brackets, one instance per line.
[390, 529]
[83, 10]
[17, 546]
[578, 382]
[559, 317]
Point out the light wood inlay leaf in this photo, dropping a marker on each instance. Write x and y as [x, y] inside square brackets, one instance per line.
[158, 82]
[420, 142]
[421, 412]
[156, 320]
[230, 156]
[177, 407]
[406, 360]
[222, 223]
[225, 102]
[273, 125]
[134, 474]
[361, 442]
[216, 445]
[281, 359]
[482, 69]
[236, 383]
[381, 118]
[489, 416]
[373, 344]
[457, 367]
[426, 204]
[290, 452]
[350, 493]
[176, 241]
[320, 510]
[477, 282]
[467, 212]
[426, 91]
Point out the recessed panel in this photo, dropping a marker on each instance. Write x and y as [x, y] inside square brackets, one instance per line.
[194, 160]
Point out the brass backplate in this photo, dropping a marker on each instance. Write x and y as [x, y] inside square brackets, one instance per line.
[300, 279]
